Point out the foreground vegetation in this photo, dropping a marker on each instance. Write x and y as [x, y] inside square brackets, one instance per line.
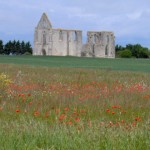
[61, 108]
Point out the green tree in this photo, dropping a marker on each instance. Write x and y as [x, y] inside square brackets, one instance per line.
[18, 47]
[1, 47]
[8, 48]
[13, 50]
[22, 47]
[119, 48]
[28, 47]
[138, 51]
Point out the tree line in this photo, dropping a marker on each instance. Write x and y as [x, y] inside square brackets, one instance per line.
[19, 48]
[15, 48]
[132, 51]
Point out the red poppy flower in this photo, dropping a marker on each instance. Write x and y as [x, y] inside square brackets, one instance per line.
[29, 94]
[77, 119]
[17, 110]
[113, 112]
[107, 110]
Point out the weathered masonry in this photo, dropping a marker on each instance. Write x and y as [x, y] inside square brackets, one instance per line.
[62, 42]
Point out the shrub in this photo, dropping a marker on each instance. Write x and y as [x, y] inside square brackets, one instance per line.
[27, 53]
[125, 53]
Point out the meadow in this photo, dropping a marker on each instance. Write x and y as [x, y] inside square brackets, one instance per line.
[141, 65]
[63, 103]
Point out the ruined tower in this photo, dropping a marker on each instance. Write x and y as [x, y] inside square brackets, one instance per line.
[62, 42]
[43, 37]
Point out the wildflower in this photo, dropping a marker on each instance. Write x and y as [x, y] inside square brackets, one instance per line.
[66, 109]
[62, 116]
[77, 119]
[89, 123]
[70, 123]
[122, 121]
[111, 123]
[102, 123]
[19, 95]
[137, 119]
[36, 113]
[147, 96]
[17, 110]
[117, 123]
[114, 106]
[25, 111]
[113, 112]
[52, 107]
[57, 111]
[22, 95]
[47, 114]
[30, 103]
[4, 80]
[82, 111]
[107, 110]
[29, 94]
[75, 113]
[134, 124]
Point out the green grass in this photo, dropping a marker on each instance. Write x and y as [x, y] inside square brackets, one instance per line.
[142, 65]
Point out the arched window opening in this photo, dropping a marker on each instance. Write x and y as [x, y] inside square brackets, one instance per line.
[94, 38]
[75, 36]
[106, 50]
[44, 38]
[107, 39]
[60, 35]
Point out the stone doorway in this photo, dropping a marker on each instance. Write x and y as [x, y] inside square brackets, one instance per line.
[43, 52]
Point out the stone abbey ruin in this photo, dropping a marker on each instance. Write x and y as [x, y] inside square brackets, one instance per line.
[62, 42]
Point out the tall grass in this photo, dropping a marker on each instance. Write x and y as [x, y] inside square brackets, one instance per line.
[61, 108]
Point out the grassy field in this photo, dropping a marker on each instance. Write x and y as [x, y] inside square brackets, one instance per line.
[142, 65]
[81, 108]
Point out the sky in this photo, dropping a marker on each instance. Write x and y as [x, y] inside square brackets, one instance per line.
[128, 19]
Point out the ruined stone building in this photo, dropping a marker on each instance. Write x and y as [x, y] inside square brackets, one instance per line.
[62, 42]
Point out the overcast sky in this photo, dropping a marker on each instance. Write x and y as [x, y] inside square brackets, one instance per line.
[128, 19]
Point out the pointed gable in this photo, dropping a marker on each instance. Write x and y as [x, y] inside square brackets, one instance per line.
[44, 22]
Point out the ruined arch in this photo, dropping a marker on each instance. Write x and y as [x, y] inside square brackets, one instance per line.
[106, 50]
[60, 35]
[94, 38]
[75, 35]
[43, 52]
[44, 38]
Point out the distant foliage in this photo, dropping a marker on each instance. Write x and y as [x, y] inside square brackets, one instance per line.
[125, 53]
[1, 47]
[15, 48]
[136, 51]
[27, 53]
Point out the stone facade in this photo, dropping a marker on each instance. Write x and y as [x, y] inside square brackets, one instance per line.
[62, 42]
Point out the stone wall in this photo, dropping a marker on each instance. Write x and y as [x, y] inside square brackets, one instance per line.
[67, 42]
[62, 42]
[99, 44]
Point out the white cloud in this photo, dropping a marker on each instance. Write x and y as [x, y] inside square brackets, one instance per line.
[134, 15]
